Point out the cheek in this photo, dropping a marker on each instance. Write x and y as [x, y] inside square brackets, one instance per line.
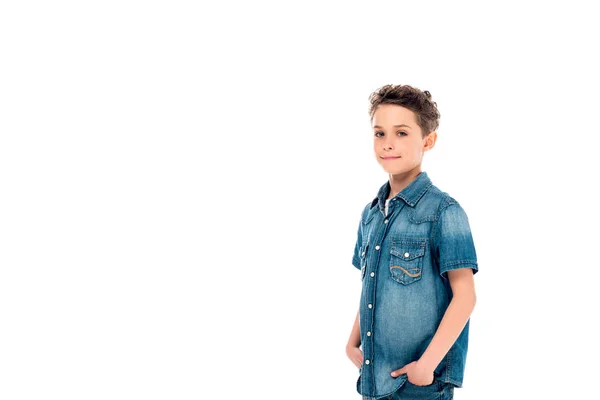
[416, 149]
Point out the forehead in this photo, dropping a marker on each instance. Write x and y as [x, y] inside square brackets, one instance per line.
[391, 114]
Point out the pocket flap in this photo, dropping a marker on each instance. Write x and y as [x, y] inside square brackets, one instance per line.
[407, 250]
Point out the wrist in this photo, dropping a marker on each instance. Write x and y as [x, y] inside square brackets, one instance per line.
[425, 364]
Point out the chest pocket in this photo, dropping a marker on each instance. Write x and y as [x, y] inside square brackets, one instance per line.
[406, 259]
[363, 259]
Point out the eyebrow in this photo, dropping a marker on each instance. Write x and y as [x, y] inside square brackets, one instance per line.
[395, 126]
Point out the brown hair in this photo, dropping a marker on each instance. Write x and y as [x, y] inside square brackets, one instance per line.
[419, 102]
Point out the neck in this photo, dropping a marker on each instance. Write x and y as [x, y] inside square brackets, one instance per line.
[400, 181]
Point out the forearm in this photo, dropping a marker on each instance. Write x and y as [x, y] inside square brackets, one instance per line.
[354, 340]
[455, 318]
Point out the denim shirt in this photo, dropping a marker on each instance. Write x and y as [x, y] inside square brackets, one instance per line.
[403, 258]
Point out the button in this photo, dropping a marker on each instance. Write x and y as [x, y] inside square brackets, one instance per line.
[376, 247]
[370, 305]
[369, 333]
[364, 266]
[385, 222]
[367, 362]
[363, 254]
[406, 254]
[372, 274]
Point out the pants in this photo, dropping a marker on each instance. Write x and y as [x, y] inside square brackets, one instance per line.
[435, 391]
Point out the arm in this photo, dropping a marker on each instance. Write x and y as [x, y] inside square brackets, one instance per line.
[352, 348]
[455, 318]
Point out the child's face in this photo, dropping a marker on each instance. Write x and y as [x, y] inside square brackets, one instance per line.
[397, 135]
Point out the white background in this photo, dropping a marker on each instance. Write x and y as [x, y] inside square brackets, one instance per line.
[181, 186]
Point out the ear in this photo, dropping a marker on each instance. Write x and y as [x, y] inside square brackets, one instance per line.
[429, 141]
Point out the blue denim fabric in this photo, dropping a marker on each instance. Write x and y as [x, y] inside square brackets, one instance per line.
[403, 258]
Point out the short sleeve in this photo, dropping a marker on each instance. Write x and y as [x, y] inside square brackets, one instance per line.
[357, 246]
[453, 242]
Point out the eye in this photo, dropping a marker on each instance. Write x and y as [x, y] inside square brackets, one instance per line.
[377, 133]
[403, 133]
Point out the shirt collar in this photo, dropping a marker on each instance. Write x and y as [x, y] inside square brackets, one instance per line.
[410, 194]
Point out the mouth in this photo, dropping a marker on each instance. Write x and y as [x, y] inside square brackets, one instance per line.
[390, 158]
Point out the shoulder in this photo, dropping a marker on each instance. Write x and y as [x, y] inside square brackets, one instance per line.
[449, 213]
[368, 211]
[433, 203]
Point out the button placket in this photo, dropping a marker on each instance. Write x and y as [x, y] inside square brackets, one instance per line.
[377, 240]
[371, 291]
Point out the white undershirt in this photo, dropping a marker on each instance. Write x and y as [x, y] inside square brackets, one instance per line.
[386, 206]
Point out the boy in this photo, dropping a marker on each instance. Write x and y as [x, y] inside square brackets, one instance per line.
[417, 260]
